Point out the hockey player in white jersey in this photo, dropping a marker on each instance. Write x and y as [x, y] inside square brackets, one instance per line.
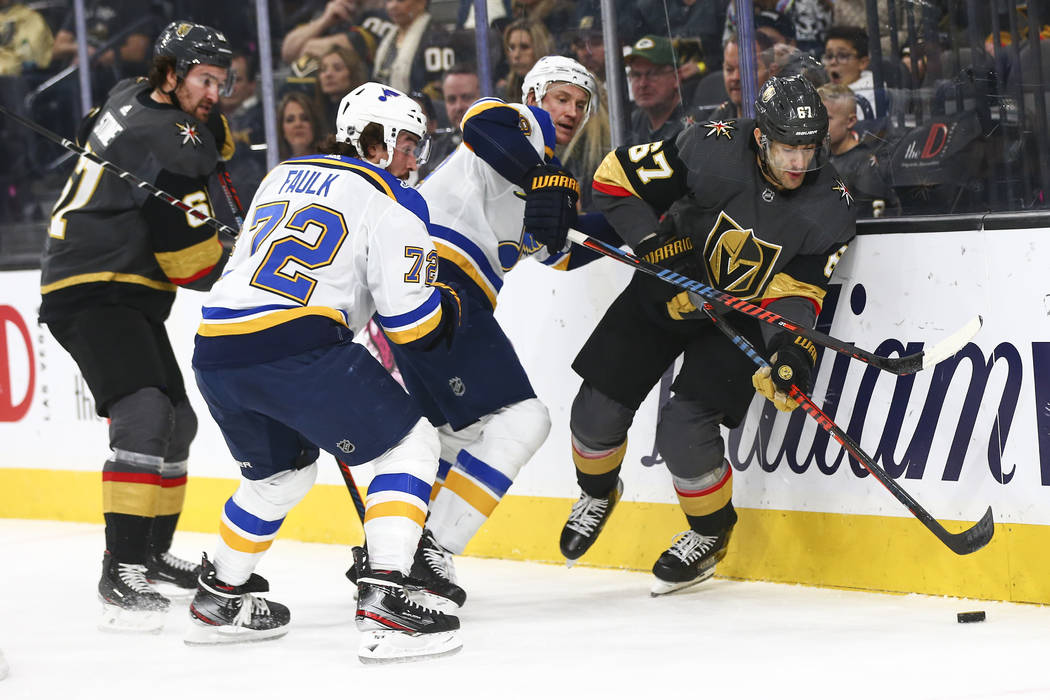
[499, 198]
[328, 242]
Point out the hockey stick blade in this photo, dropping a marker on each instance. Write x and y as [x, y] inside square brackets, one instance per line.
[908, 364]
[966, 542]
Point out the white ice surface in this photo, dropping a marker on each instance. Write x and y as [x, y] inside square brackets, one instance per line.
[529, 630]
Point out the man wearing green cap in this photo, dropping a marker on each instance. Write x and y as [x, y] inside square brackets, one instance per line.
[651, 71]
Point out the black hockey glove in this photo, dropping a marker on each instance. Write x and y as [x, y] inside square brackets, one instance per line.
[792, 364]
[453, 312]
[550, 205]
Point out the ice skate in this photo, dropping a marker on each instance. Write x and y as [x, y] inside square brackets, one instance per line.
[225, 614]
[435, 573]
[173, 577]
[129, 603]
[585, 523]
[690, 560]
[393, 627]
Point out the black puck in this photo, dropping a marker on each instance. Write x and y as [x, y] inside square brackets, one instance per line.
[972, 616]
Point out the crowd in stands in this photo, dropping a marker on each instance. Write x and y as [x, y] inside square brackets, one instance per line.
[906, 149]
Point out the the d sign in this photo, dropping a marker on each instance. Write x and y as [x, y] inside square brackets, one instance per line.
[9, 410]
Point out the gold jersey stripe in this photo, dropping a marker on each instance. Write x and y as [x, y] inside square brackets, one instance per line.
[468, 267]
[416, 332]
[710, 500]
[611, 172]
[784, 285]
[270, 320]
[171, 500]
[92, 277]
[188, 262]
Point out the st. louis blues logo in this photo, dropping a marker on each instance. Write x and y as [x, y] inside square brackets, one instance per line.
[844, 192]
[189, 133]
[721, 127]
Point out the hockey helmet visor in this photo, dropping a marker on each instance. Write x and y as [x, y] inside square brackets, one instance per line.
[794, 124]
[192, 44]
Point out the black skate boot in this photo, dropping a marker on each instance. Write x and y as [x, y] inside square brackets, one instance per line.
[435, 574]
[172, 576]
[129, 603]
[225, 614]
[690, 560]
[585, 523]
[393, 627]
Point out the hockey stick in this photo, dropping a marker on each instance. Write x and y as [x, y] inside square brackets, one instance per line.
[122, 174]
[907, 364]
[965, 542]
[351, 486]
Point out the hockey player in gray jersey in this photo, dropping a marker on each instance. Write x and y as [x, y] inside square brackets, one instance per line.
[752, 207]
[113, 261]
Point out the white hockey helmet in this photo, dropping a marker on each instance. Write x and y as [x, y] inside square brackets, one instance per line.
[392, 109]
[559, 69]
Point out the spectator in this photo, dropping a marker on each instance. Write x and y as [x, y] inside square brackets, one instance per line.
[653, 78]
[301, 129]
[341, 71]
[555, 15]
[854, 159]
[524, 43]
[700, 19]
[588, 45]
[779, 27]
[341, 23]
[461, 89]
[416, 53]
[812, 19]
[732, 108]
[422, 170]
[105, 20]
[846, 58]
[584, 153]
[799, 63]
[244, 113]
[25, 38]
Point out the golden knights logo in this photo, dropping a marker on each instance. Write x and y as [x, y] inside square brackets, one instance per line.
[738, 261]
[183, 29]
[189, 133]
[722, 127]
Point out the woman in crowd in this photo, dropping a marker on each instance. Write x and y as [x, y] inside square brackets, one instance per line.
[301, 128]
[524, 43]
[341, 71]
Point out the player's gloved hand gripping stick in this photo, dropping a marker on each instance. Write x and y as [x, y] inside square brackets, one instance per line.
[907, 364]
[965, 542]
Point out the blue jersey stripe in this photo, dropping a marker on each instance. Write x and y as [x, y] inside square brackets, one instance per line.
[250, 523]
[493, 478]
[219, 312]
[405, 483]
[410, 317]
[471, 249]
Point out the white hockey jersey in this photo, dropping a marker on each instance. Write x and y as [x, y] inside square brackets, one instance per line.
[326, 237]
[475, 212]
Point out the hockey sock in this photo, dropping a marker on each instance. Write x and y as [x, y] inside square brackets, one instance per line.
[713, 523]
[597, 469]
[169, 506]
[130, 490]
[705, 495]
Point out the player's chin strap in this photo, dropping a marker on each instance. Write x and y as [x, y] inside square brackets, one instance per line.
[122, 174]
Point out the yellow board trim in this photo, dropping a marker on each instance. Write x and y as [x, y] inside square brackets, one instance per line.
[479, 499]
[107, 277]
[880, 553]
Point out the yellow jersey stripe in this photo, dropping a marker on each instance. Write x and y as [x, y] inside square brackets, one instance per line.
[468, 267]
[107, 277]
[275, 318]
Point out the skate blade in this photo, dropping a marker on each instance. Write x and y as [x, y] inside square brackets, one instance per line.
[431, 600]
[661, 587]
[388, 646]
[201, 634]
[117, 619]
[569, 563]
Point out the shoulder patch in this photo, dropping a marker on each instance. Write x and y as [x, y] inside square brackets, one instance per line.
[720, 127]
[524, 125]
[190, 133]
[843, 191]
